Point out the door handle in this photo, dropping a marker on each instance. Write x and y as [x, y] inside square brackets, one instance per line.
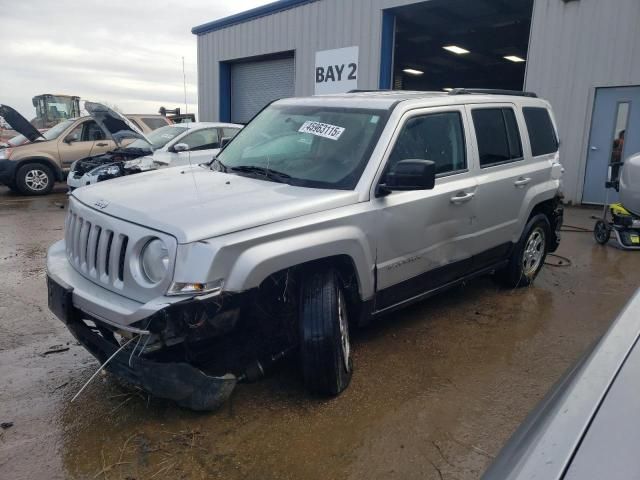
[462, 197]
[101, 144]
[522, 181]
[593, 149]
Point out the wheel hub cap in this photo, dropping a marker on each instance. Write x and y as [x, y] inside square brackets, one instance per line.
[533, 252]
[36, 180]
[344, 330]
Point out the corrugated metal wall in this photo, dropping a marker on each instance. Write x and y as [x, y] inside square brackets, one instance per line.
[576, 47]
[320, 25]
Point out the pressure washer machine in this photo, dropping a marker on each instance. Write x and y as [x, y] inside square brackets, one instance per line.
[623, 218]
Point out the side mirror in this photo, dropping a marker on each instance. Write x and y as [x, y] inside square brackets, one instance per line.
[224, 141]
[411, 175]
[180, 147]
[71, 138]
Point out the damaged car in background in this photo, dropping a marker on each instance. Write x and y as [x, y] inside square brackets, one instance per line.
[31, 162]
[171, 145]
[322, 214]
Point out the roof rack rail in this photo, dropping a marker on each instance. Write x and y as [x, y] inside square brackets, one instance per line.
[357, 90]
[490, 91]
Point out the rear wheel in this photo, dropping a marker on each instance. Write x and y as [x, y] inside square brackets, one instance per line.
[34, 179]
[529, 254]
[325, 347]
[601, 232]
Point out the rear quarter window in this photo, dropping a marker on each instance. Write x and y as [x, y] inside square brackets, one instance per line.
[155, 122]
[542, 135]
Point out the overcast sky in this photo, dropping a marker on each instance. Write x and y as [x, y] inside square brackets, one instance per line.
[124, 52]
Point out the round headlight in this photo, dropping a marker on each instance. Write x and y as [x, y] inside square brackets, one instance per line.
[155, 260]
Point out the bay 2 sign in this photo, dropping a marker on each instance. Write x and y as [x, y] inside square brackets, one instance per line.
[336, 70]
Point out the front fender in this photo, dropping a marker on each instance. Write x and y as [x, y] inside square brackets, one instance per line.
[257, 262]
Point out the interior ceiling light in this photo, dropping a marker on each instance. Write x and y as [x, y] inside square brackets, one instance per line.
[413, 71]
[455, 49]
[514, 58]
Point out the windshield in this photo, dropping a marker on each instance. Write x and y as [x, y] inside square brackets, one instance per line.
[50, 134]
[159, 138]
[310, 146]
[56, 131]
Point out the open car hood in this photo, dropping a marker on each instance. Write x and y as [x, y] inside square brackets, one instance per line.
[19, 123]
[115, 125]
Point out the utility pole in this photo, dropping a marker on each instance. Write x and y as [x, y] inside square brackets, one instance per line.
[184, 83]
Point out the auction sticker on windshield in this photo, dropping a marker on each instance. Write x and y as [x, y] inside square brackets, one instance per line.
[324, 130]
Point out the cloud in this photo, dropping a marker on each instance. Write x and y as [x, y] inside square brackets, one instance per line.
[125, 52]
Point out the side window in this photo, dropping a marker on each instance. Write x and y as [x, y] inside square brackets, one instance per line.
[229, 132]
[497, 134]
[75, 135]
[542, 135]
[92, 132]
[438, 137]
[205, 139]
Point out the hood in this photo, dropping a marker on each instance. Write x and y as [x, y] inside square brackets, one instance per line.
[196, 203]
[19, 123]
[117, 126]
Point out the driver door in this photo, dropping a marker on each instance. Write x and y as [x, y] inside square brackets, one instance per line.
[425, 237]
[77, 144]
[203, 145]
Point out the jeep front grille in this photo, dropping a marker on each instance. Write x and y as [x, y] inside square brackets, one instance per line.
[96, 251]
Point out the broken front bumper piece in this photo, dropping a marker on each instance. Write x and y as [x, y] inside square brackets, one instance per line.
[181, 382]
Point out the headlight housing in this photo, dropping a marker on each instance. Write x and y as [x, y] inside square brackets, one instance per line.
[184, 288]
[5, 153]
[154, 261]
[107, 170]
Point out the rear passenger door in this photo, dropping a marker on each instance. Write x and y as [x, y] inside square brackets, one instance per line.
[505, 173]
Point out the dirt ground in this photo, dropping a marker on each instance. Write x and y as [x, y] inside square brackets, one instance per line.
[437, 388]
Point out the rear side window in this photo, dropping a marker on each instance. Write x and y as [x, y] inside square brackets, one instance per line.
[155, 122]
[230, 132]
[497, 134]
[541, 132]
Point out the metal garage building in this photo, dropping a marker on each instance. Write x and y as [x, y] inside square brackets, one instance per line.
[582, 55]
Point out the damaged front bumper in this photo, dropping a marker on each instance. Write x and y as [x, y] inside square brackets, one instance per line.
[179, 381]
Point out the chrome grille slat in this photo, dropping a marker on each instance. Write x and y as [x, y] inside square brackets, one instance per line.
[84, 237]
[92, 244]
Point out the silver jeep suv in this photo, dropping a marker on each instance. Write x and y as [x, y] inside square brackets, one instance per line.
[322, 214]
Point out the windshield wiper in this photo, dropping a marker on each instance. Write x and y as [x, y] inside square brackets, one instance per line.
[265, 172]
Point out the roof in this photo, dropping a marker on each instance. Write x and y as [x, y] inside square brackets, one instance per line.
[386, 99]
[248, 15]
[193, 125]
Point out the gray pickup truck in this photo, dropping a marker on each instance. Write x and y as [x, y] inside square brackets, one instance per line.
[322, 214]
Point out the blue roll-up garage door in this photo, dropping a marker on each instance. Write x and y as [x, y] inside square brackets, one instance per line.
[255, 84]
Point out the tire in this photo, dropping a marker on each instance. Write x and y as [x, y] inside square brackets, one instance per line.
[601, 232]
[325, 348]
[529, 254]
[35, 179]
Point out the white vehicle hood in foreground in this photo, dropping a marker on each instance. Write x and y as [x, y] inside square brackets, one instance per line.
[196, 203]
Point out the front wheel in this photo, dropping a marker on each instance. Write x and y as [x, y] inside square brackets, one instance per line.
[325, 347]
[529, 254]
[34, 179]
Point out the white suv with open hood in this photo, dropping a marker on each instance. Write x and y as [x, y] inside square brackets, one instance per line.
[171, 145]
